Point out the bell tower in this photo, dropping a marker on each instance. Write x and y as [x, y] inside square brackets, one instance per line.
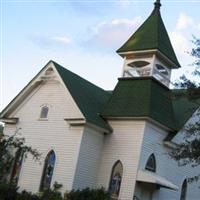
[149, 52]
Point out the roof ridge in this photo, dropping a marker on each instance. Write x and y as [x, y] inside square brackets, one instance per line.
[79, 76]
[88, 97]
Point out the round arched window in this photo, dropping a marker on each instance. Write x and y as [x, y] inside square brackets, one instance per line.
[115, 180]
[48, 170]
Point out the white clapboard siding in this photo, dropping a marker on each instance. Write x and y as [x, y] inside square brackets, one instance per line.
[89, 159]
[123, 144]
[166, 166]
[45, 135]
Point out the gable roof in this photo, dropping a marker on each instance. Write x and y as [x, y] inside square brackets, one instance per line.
[183, 107]
[146, 97]
[89, 97]
[141, 97]
[152, 34]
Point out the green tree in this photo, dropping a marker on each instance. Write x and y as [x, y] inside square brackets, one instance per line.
[9, 145]
[188, 152]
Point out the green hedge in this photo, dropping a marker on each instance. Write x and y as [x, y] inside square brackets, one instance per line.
[87, 194]
[10, 192]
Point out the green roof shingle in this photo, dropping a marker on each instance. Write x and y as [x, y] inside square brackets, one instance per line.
[141, 97]
[152, 34]
[183, 106]
[89, 98]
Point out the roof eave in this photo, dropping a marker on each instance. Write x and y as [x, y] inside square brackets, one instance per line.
[147, 118]
[156, 51]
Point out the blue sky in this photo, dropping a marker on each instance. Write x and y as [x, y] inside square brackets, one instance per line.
[83, 37]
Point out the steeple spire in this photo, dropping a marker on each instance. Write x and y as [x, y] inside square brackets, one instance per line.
[149, 52]
[151, 35]
[157, 5]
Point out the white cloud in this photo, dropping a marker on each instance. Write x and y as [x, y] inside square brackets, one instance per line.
[180, 43]
[124, 3]
[47, 41]
[198, 27]
[62, 40]
[181, 36]
[184, 21]
[114, 33]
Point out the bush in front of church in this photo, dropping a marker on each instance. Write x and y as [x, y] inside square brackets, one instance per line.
[10, 192]
[87, 194]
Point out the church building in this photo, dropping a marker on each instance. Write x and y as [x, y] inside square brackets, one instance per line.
[119, 139]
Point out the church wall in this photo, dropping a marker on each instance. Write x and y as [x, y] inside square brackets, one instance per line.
[89, 159]
[165, 166]
[123, 144]
[45, 135]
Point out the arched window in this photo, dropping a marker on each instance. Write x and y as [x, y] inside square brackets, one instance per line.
[44, 112]
[151, 163]
[184, 190]
[48, 170]
[16, 167]
[115, 180]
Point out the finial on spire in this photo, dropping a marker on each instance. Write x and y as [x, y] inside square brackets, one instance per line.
[157, 5]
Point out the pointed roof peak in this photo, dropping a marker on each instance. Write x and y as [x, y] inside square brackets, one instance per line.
[157, 5]
[151, 35]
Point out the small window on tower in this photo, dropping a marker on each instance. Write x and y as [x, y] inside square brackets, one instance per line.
[138, 64]
[44, 112]
[161, 69]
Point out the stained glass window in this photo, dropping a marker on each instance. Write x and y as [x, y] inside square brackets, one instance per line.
[48, 170]
[151, 163]
[17, 167]
[115, 180]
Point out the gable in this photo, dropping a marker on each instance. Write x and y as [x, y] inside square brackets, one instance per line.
[53, 95]
[87, 97]
[45, 89]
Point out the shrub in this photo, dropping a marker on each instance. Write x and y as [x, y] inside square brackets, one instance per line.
[87, 194]
[24, 195]
[52, 194]
[8, 191]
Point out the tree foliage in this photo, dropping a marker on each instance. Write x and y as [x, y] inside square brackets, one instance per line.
[188, 152]
[9, 145]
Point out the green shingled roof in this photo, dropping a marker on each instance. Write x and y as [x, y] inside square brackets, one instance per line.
[183, 107]
[146, 97]
[151, 34]
[141, 97]
[89, 98]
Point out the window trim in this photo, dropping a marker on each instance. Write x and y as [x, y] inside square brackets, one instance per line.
[45, 118]
[45, 168]
[111, 177]
[19, 158]
[153, 159]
